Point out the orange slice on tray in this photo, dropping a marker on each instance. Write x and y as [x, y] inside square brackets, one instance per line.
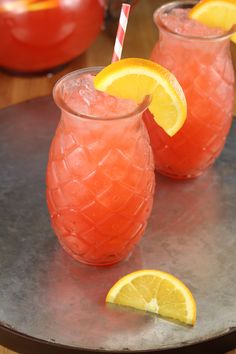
[155, 291]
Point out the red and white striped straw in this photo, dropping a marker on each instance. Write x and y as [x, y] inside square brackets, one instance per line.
[120, 36]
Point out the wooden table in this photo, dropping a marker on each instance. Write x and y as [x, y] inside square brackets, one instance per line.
[140, 38]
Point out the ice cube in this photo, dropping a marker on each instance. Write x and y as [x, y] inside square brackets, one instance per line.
[81, 96]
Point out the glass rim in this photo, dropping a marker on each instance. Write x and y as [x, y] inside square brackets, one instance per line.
[186, 4]
[58, 99]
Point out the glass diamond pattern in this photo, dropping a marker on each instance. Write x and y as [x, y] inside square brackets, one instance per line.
[100, 189]
[205, 71]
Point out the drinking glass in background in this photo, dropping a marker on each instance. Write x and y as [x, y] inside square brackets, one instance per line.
[100, 176]
[200, 59]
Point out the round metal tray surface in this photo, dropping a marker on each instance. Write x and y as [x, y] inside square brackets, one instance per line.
[49, 298]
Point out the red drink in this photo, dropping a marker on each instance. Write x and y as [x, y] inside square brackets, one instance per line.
[200, 59]
[100, 176]
[37, 35]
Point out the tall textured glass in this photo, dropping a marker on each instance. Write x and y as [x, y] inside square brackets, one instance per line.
[100, 178]
[202, 65]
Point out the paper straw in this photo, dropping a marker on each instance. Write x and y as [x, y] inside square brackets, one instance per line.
[124, 15]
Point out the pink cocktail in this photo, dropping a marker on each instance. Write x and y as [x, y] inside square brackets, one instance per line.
[200, 59]
[100, 176]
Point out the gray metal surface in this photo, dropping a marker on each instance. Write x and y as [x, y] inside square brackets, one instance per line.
[46, 294]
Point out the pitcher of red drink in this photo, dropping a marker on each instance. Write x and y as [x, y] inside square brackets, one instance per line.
[200, 59]
[41, 35]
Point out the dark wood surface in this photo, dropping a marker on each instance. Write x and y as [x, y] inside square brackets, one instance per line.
[140, 38]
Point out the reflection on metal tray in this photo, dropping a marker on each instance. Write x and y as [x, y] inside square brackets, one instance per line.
[47, 295]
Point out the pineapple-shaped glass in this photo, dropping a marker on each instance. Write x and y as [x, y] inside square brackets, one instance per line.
[100, 180]
[203, 67]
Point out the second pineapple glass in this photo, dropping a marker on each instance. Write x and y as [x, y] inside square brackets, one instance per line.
[204, 69]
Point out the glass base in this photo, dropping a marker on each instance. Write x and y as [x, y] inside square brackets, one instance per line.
[96, 263]
[180, 177]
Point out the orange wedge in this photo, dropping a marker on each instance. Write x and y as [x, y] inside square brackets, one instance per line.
[216, 13]
[28, 5]
[135, 78]
[155, 291]
[43, 5]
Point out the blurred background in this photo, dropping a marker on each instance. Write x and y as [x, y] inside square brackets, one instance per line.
[41, 40]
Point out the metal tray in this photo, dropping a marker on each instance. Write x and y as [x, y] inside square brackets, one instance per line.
[51, 303]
